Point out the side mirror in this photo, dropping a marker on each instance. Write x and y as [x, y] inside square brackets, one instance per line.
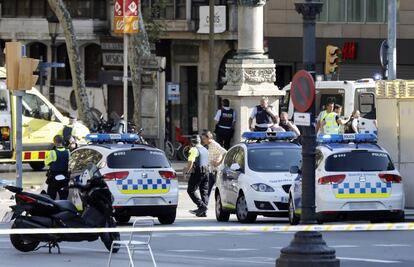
[294, 170]
[235, 167]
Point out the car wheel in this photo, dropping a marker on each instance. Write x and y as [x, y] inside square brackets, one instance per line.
[293, 218]
[122, 218]
[37, 166]
[242, 212]
[399, 217]
[168, 218]
[221, 215]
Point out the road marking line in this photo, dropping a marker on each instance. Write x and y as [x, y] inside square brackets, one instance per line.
[392, 245]
[238, 249]
[367, 260]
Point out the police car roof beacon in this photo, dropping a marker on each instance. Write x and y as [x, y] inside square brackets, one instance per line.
[106, 138]
[271, 136]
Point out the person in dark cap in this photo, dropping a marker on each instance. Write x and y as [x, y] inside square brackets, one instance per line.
[197, 168]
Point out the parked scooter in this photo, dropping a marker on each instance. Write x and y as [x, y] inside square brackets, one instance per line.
[39, 211]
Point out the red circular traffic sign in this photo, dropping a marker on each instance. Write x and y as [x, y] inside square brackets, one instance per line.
[302, 91]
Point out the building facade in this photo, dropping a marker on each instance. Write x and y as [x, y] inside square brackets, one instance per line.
[185, 50]
[358, 27]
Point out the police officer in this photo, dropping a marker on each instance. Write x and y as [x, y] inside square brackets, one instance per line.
[57, 176]
[225, 119]
[197, 167]
[264, 115]
[332, 120]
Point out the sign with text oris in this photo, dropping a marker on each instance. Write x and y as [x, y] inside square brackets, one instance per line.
[126, 16]
[219, 19]
[302, 91]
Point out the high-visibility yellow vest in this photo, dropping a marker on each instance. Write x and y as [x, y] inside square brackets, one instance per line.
[331, 126]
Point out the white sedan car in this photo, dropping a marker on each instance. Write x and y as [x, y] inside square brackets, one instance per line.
[140, 177]
[355, 180]
[255, 178]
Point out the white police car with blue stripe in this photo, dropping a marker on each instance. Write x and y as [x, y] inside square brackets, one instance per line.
[355, 180]
[254, 178]
[139, 176]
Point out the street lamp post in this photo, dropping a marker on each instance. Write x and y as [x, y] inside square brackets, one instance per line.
[53, 24]
[308, 248]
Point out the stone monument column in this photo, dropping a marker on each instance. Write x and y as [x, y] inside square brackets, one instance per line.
[250, 75]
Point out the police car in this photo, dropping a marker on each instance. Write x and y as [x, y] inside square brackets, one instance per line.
[254, 178]
[355, 180]
[139, 176]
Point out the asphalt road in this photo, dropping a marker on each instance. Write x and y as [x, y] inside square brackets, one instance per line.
[216, 248]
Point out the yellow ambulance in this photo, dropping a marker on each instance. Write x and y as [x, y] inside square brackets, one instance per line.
[41, 122]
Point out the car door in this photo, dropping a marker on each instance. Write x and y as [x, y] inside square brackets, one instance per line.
[234, 175]
[226, 175]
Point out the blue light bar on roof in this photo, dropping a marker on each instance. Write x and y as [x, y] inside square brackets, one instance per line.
[269, 135]
[347, 138]
[101, 138]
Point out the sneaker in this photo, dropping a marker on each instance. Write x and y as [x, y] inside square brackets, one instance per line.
[193, 211]
[204, 214]
[201, 210]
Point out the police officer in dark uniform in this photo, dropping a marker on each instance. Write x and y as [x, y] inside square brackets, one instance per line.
[57, 176]
[264, 115]
[197, 167]
[225, 119]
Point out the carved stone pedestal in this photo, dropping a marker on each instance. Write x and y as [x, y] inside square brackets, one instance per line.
[248, 80]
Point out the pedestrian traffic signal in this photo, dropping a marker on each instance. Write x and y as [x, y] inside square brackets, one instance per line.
[19, 71]
[26, 78]
[332, 59]
[13, 55]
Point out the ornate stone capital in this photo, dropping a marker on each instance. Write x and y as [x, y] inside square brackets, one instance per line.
[236, 76]
[309, 9]
[252, 3]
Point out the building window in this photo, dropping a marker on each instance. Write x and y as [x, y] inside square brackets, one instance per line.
[93, 62]
[8, 8]
[38, 8]
[38, 51]
[166, 9]
[362, 11]
[63, 74]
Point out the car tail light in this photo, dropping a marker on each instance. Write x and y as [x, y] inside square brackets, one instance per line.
[168, 174]
[331, 179]
[25, 199]
[390, 178]
[116, 176]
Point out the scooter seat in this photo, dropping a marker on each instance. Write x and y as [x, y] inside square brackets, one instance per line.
[66, 205]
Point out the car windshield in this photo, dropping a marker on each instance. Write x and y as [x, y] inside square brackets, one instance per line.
[273, 159]
[359, 160]
[137, 159]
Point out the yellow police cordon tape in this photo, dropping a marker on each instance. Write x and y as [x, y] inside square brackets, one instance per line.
[250, 228]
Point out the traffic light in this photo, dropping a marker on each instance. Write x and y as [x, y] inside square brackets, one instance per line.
[13, 56]
[332, 59]
[26, 68]
[19, 70]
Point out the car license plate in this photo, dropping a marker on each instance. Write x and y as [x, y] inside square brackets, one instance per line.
[7, 217]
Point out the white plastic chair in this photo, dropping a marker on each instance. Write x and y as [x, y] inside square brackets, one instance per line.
[137, 241]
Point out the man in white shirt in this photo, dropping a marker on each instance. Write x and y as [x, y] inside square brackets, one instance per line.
[264, 116]
[216, 155]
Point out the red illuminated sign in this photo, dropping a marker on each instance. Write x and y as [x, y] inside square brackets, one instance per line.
[349, 50]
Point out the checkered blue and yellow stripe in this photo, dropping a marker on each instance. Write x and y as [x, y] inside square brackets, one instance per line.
[362, 190]
[144, 186]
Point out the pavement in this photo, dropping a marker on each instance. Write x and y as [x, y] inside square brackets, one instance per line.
[206, 249]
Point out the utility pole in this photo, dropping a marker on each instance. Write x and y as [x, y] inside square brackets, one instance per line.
[392, 39]
[308, 248]
[211, 88]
